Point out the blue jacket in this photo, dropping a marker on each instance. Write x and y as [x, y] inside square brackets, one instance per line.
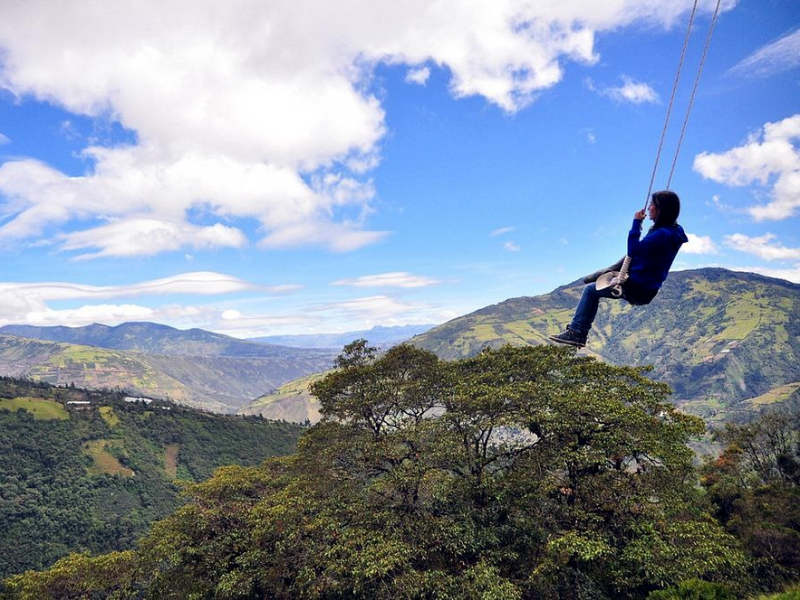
[652, 256]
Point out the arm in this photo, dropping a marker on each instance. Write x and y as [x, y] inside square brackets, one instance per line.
[633, 237]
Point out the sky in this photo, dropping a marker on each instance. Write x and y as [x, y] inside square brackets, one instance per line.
[260, 168]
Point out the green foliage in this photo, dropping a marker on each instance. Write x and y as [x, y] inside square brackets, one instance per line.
[754, 486]
[694, 589]
[96, 480]
[519, 473]
[78, 577]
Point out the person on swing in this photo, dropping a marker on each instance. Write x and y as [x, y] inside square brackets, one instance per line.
[651, 258]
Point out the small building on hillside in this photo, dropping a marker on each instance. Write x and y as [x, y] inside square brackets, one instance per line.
[136, 399]
[79, 404]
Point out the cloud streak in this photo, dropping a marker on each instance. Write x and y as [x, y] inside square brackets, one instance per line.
[776, 57]
[398, 279]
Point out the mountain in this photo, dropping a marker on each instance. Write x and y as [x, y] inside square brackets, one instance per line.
[221, 383]
[154, 338]
[721, 339]
[377, 336]
[89, 471]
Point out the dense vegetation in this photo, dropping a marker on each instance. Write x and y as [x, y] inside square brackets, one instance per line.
[518, 473]
[95, 478]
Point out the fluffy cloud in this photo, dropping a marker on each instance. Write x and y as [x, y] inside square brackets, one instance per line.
[418, 75]
[399, 279]
[511, 246]
[258, 111]
[631, 91]
[699, 244]
[761, 247]
[769, 158]
[778, 56]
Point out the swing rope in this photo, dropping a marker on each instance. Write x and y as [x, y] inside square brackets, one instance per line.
[694, 90]
[669, 106]
[616, 279]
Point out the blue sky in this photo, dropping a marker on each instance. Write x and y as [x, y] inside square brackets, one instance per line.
[281, 168]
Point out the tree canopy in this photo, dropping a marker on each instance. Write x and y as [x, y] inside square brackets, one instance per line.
[519, 473]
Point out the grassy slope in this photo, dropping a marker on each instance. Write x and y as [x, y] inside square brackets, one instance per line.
[95, 479]
[291, 402]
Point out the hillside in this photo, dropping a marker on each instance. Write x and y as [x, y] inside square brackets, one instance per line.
[222, 383]
[94, 476]
[718, 337]
[291, 402]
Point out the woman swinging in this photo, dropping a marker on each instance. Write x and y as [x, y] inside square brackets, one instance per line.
[651, 258]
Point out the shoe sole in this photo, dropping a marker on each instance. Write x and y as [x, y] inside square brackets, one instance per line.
[565, 342]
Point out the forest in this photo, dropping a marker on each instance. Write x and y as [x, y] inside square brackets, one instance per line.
[519, 473]
[93, 477]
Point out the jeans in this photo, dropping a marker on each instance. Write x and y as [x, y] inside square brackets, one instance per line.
[587, 308]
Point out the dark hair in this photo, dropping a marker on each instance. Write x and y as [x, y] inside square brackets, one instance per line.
[669, 207]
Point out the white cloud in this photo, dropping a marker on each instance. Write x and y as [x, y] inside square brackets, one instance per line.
[761, 247]
[501, 231]
[768, 158]
[4, 139]
[250, 108]
[631, 91]
[418, 75]
[511, 246]
[699, 244]
[399, 279]
[778, 56]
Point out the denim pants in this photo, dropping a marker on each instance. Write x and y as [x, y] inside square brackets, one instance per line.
[587, 308]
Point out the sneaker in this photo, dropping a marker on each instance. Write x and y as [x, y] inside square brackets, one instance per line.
[571, 337]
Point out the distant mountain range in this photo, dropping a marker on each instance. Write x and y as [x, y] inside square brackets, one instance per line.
[377, 336]
[193, 367]
[728, 343]
[153, 338]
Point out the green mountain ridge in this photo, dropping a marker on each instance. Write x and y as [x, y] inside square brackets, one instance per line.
[87, 471]
[717, 337]
[217, 383]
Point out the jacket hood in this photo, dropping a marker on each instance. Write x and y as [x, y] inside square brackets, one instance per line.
[679, 234]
